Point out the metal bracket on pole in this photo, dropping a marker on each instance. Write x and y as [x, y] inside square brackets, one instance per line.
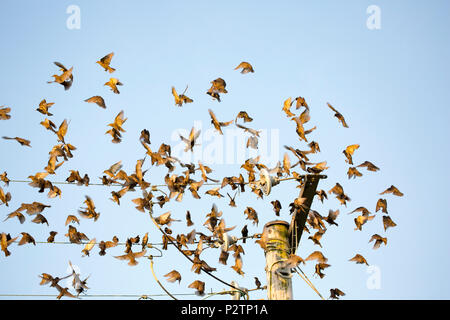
[299, 217]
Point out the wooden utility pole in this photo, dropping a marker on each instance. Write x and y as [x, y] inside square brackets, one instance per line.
[276, 236]
[281, 239]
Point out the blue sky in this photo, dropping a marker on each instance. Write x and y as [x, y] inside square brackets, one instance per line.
[390, 84]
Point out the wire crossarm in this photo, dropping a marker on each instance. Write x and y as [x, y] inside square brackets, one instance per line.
[299, 217]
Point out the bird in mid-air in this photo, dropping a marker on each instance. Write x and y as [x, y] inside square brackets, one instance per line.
[105, 62]
[246, 67]
[338, 115]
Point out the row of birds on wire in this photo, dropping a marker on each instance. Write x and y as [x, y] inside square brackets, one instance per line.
[179, 184]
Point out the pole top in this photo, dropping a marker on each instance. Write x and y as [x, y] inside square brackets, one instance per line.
[274, 222]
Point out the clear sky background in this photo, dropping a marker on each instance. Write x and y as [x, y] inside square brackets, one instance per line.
[390, 84]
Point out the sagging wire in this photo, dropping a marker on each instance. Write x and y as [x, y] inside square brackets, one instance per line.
[206, 271]
[305, 278]
[160, 284]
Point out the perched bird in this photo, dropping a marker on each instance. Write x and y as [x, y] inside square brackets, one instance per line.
[22, 141]
[359, 259]
[246, 67]
[378, 241]
[338, 115]
[336, 293]
[257, 283]
[180, 99]
[244, 233]
[113, 83]
[173, 276]
[98, 100]
[51, 237]
[105, 62]
[392, 189]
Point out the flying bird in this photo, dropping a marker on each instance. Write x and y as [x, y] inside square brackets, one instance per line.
[359, 259]
[98, 100]
[65, 79]
[392, 189]
[338, 115]
[105, 62]
[44, 106]
[369, 165]
[4, 113]
[378, 240]
[190, 142]
[180, 99]
[388, 223]
[348, 152]
[113, 83]
[4, 197]
[216, 123]
[22, 141]
[336, 293]
[381, 205]
[132, 256]
[173, 276]
[246, 67]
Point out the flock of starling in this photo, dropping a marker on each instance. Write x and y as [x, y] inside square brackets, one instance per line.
[179, 184]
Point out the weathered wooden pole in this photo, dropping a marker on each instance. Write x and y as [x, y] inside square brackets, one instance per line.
[276, 239]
